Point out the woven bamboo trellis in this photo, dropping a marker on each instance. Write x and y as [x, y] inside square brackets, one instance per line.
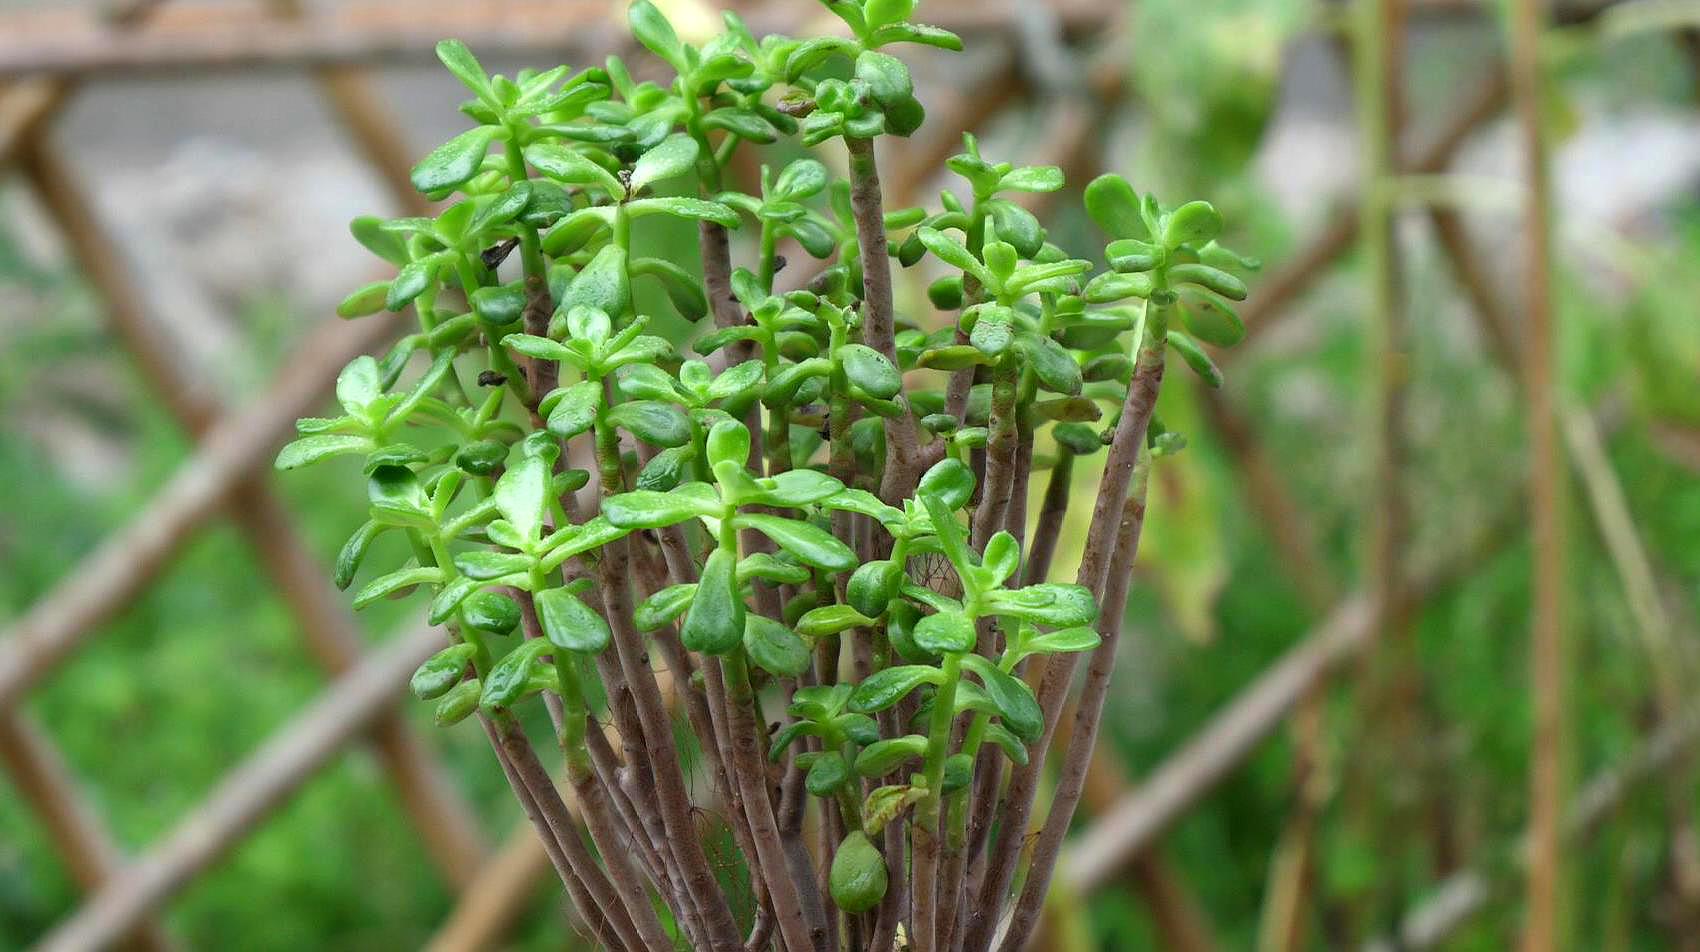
[44, 56]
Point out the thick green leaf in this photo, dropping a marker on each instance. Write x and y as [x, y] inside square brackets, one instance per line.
[1062, 641]
[826, 774]
[1192, 224]
[575, 411]
[1016, 703]
[441, 672]
[466, 68]
[568, 167]
[1048, 603]
[715, 622]
[680, 206]
[367, 300]
[878, 13]
[349, 557]
[1002, 558]
[1205, 276]
[654, 422]
[775, 648]
[953, 252]
[1196, 358]
[651, 28]
[1050, 362]
[395, 497]
[873, 586]
[945, 632]
[311, 449]
[882, 757]
[676, 155]
[884, 688]
[868, 369]
[461, 701]
[387, 585]
[1011, 745]
[410, 282]
[1032, 178]
[642, 509]
[522, 496]
[798, 487]
[451, 164]
[664, 606]
[485, 565]
[490, 611]
[449, 598]
[886, 804]
[1211, 320]
[603, 284]
[1111, 202]
[507, 680]
[830, 620]
[803, 178]
[858, 879]
[950, 481]
[813, 545]
[538, 348]
[570, 624]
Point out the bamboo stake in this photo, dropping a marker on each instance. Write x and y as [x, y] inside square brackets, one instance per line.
[1548, 669]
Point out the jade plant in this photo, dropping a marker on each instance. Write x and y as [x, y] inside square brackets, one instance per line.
[746, 489]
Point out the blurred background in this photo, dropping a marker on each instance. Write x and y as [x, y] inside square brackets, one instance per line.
[1322, 730]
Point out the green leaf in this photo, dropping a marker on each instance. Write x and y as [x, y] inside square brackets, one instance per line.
[882, 757]
[369, 230]
[870, 370]
[1131, 254]
[884, 688]
[499, 306]
[538, 348]
[490, 611]
[486, 566]
[508, 678]
[449, 598]
[1048, 603]
[568, 167]
[1111, 202]
[651, 28]
[766, 565]
[1213, 321]
[570, 624]
[737, 381]
[1032, 178]
[865, 503]
[311, 449]
[830, 620]
[358, 385]
[664, 606]
[466, 68]
[644, 509]
[727, 442]
[1205, 276]
[945, 632]
[797, 488]
[873, 586]
[367, 300]
[1192, 224]
[775, 648]
[522, 496]
[386, 585]
[441, 672]
[410, 282]
[803, 178]
[1002, 558]
[684, 290]
[954, 253]
[950, 481]
[679, 206]
[451, 164]
[1017, 226]
[813, 545]
[353, 551]
[458, 703]
[603, 284]
[1050, 362]
[1062, 641]
[880, 13]
[676, 155]
[715, 622]
[826, 774]
[993, 332]
[1011, 745]
[1196, 358]
[1016, 703]
[858, 879]
[396, 498]
[888, 80]
[654, 422]
[575, 411]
